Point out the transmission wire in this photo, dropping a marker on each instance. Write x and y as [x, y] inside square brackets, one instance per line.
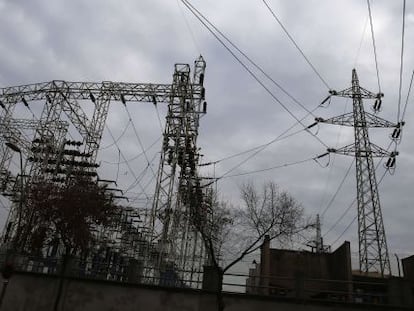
[250, 60]
[374, 45]
[353, 220]
[339, 188]
[123, 157]
[408, 96]
[354, 200]
[134, 157]
[119, 138]
[139, 139]
[252, 74]
[296, 45]
[269, 168]
[401, 63]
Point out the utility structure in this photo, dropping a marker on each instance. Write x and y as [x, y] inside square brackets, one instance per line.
[178, 189]
[373, 250]
[51, 153]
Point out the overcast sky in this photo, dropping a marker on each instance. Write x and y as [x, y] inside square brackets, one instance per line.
[140, 41]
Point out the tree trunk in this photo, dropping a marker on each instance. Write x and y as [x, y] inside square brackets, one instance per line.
[219, 293]
[62, 274]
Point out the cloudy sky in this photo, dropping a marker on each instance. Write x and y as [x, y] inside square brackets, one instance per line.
[140, 41]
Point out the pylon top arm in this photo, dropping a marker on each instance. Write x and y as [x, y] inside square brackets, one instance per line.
[349, 93]
[347, 119]
[373, 150]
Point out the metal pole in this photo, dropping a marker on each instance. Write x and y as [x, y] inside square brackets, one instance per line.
[17, 149]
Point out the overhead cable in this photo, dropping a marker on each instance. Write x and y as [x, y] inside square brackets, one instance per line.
[401, 63]
[139, 139]
[374, 45]
[269, 168]
[124, 158]
[251, 61]
[296, 45]
[339, 188]
[408, 96]
[251, 72]
[136, 156]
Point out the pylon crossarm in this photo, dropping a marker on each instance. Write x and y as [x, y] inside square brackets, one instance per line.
[347, 119]
[350, 94]
[351, 150]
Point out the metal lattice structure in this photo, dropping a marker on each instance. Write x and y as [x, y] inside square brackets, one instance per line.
[157, 237]
[373, 251]
[178, 186]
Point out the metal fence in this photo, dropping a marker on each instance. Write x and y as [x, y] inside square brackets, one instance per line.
[371, 291]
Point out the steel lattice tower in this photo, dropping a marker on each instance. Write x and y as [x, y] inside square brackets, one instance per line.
[178, 184]
[373, 251]
[62, 105]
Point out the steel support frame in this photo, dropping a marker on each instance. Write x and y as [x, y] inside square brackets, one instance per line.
[373, 249]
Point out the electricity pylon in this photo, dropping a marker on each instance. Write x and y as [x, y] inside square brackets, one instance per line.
[373, 251]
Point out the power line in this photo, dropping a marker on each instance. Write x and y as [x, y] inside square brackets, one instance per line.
[296, 45]
[250, 60]
[123, 157]
[354, 200]
[189, 28]
[408, 96]
[374, 45]
[250, 71]
[268, 169]
[338, 189]
[134, 157]
[260, 147]
[119, 138]
[255, 148]
[401, 63]
[142, 174]
[353, 220]
[159, 118]
[139, 139]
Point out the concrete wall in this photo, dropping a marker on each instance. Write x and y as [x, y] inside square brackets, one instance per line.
[35, 292]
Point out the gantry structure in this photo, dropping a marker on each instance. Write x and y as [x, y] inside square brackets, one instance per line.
[373, 250]
[49, 152]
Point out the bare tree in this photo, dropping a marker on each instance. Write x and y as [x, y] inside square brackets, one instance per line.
[66, 214]
[267, 211]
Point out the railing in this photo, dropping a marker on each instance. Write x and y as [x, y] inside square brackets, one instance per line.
[373, 291]
[128, 270]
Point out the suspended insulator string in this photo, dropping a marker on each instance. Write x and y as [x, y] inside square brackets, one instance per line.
[250, 60]
[275, 98]
[296, 45]
[401, 63]
[374, 45]
[339, 188]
